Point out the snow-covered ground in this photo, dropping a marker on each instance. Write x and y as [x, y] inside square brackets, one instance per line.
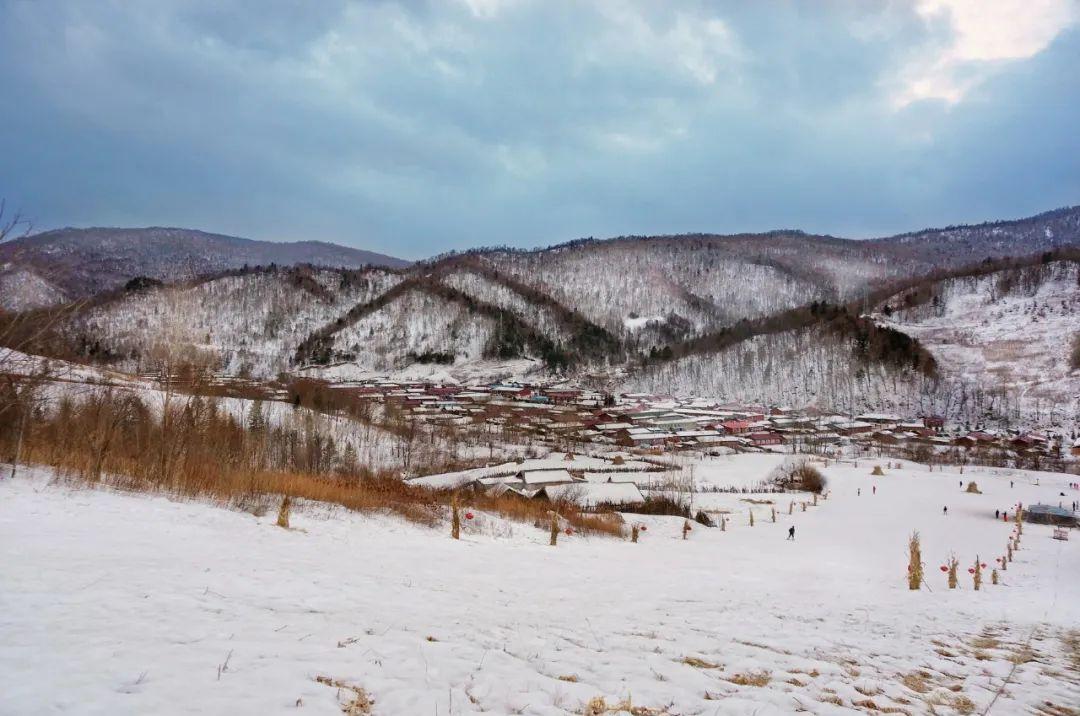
[1007, 332]
[128, 604]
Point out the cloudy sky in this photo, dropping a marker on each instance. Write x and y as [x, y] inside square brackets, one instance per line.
[417, 127]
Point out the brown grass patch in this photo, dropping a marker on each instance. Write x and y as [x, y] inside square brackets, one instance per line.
[1021, 656]
[751, 678]
[194, 449]
[919, 682]
[1049, 708]
[354, 700]
[572, 678]
[598, 706]
[699, 663]
[985, 642]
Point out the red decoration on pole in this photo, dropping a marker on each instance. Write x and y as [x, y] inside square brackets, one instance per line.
[469, 515]
[971, 570]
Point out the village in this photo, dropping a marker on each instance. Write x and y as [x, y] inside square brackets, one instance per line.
[565, 416]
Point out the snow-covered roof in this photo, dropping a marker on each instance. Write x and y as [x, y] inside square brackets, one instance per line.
[590, 494]
[540, 477]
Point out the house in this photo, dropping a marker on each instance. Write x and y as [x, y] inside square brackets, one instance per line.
[934, 422]
[562, 396]
[545, 478]
[853, 427]
[591, 494]
[514, 392]
[761, 439]
[639, 437]
[735, 427]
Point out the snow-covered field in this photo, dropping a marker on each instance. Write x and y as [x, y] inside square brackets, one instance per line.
[129, 604]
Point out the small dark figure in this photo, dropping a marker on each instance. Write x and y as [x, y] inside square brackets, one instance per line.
[791, 532]
[1010, 483]
[961, 483]
[997, 514]
[875, 489]
[858, 492]
[945, 511]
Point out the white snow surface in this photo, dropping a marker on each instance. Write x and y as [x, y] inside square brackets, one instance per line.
[128, 604]
[1007, 332]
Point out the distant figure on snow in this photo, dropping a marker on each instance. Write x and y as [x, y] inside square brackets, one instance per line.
[858, 492]
[945, 510]
[997, 514]
[791, 532]
[875, 489]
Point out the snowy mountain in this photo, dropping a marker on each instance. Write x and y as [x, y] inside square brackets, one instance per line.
[1010, 333]
[75, 263]
[772, 317]
[693, 284]
[247, 323]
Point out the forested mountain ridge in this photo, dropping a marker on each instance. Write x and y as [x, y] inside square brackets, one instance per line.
[68, 264]
[798, 317]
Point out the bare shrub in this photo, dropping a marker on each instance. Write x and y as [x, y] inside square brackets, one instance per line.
[799, 475]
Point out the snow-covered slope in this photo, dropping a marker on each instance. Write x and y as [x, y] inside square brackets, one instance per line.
[119, 603]
[22, 289]
[805, 367]
[417, 326]
[252, 322]
[1008, 332]
[700, 285]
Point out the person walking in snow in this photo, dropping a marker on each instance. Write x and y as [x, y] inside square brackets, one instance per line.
[945, 510]
[791, 532]
[875, 490]
[997, 514]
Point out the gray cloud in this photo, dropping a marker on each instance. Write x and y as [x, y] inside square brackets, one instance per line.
[414, 128]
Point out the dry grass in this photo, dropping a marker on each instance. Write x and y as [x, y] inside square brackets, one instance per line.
[751, 678]
[918, 681]
[354, 700]
[985, 642]
[598, 706]
[571, 678]
[915, 564]
[1022, 655]
[698, 663]
[870, 705]
[195, 450]
[958, 702]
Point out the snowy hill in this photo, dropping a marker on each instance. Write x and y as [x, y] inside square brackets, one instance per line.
[250, 323]
[222, 612]
[596, 307]
[82, 262]
[1008, 334]
[699, 282]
